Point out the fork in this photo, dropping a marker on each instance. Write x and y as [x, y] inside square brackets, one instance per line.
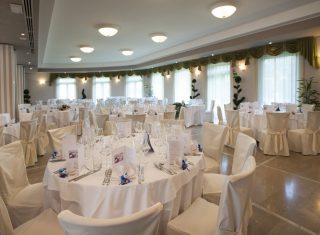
[107, 177]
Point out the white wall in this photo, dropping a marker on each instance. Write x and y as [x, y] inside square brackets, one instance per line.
[37, 91]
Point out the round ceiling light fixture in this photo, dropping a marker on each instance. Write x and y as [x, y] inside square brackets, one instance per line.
[75, 59]
[126, 52]
[108, 30]
[86, 49]
[223, 9]
[158, 37]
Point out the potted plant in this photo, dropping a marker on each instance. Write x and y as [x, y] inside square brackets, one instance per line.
[306, 92]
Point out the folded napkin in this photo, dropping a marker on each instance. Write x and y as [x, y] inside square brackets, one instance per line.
[124, 179]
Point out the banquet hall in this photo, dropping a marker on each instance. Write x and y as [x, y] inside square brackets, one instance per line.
[160, 117]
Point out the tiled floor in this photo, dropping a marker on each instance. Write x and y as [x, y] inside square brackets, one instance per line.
[286, 197]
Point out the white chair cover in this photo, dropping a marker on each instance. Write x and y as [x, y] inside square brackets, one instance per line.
[45, 223]
[1, 136]
[145, 222]
[306, 140]
[181, 113]
[28, 131]
[305, 108]
[220, 117]
[101, 122]
[233, 123]
[213, 139]
[169, 115]
[136, 118]
[24, 201]
[42, 136]
[170, 107]
[36, 115]
[228, 106]
[229, 218]
[172, 122]
[56, 136]
[93, 119]
[274, 139]
[210, 113]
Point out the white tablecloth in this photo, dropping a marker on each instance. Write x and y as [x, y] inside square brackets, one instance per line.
[89, 198]
[4, 119]
[194, 115]
[258, 122]
[23, 117]
[11, 133]
[60, 118]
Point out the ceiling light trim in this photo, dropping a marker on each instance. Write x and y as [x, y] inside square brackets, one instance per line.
[75, 59]
[158, 37]
[86, 49]
[108, 30]
[126, 52]
[224, 9]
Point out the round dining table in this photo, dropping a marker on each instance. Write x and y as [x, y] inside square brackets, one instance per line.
[90, 198]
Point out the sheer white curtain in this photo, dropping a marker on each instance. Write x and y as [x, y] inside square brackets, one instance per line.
[100, 88]
[66, 88]
[157, 85]
[278, 77]
[182, 85]
[134, 86]
[218, 87]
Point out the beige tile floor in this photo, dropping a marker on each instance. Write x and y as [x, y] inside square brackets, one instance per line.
[286, 196]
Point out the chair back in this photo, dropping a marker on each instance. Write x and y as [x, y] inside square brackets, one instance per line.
[307, 107]
[137, 117]
[235, 201]
[213, 139]
[228, 106]
[5, 222]
[219, 113]
[101, 120]
[277, 122]
[36, 115]
[172, 122]
[181, 113]
[212, 105]
[233, 119]
[28, 131]
[1, 135]
[169, 115]
[93, 119]
[245, 147]
[145, 222]
[170, 107]
[56, 136]
[313, 120]
[291, 108]
[42, 127]
[13, 174]
[82, 112]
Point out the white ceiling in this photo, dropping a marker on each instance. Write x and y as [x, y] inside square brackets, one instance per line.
[64, 25]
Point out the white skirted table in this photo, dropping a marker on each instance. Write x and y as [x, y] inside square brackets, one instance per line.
[194, 115]
[11, 133]
[88, 197]
[4, 119]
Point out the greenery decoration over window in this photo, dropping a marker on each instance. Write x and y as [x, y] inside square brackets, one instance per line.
[236, 96]
[305, 46]
[307, 94]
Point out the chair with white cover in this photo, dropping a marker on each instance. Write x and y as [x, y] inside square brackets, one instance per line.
[24, 201]
[169, 115]
[170, 107]
[42, 140]
[145, 222]
[220, 117]
[28, 131]
[45, 223]
[1, 136]
[56, 137]
[305, 108]
[210, 114]
[172, 122]
[228, 106]
[213, 139]
[306, 141]
[213, 183]
[93, 119]
[101, 122]
[274, 139]
[136, 118]
[181, 113]
[233, 124]
[36, 115]
[232, 215]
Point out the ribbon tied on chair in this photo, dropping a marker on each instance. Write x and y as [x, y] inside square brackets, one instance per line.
[278, 137]
[314, 134]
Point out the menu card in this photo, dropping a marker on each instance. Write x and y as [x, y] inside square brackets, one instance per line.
[70, 152]
[175, 148]
[124, 160]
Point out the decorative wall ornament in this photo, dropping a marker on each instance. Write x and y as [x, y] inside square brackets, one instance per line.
[236, 96]
[195, 92]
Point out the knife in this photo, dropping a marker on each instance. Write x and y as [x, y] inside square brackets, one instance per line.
[84, 175]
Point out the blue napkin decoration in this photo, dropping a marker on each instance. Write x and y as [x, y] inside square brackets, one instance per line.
[124, 179]
[63, 173]
[184, 165]
[278, 109]
[54, 155]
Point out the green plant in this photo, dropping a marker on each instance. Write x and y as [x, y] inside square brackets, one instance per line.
[236, 96]
[178, 107]
[306, 93]
[194, 90]
[26, 96]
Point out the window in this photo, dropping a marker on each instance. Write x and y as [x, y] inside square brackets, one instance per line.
[182, 85]
[218, 88]
[157, 83]
[134, 87]
[66, 88]
[277, 78]
[100, 88]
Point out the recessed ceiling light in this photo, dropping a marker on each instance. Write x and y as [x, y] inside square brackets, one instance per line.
[223, 9]
[126, 52]
[158, 37]
[86, 49]
[108, 30]
[75, 59]
[22, 34]
[269, 43]
[29, 62]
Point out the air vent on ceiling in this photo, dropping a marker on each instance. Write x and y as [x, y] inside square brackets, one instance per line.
[27, 4]
[15, 8]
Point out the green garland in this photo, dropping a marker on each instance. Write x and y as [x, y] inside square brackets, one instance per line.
[305, 46]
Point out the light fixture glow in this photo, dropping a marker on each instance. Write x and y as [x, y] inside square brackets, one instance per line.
[86, 49]
[75, 59]
[223, 9]
[242, 66]
[158, 37]
[126, 52]
[108, 30]
[84, 80]
[42, 81]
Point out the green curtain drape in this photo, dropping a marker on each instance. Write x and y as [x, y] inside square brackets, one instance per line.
[307, 47]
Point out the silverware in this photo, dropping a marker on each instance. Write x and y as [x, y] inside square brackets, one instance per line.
[162, 168]
[84, 175]
[107, 177]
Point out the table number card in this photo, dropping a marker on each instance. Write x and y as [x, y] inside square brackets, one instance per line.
[175, 149]
[124, 160]
[186, 142]
[70, 152]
